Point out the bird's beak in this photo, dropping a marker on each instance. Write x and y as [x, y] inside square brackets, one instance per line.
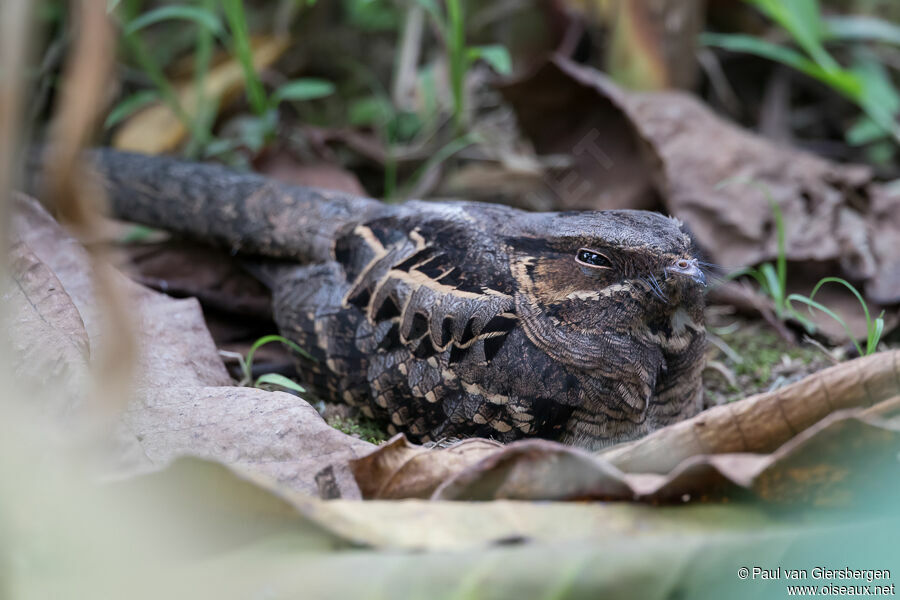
[688, 268]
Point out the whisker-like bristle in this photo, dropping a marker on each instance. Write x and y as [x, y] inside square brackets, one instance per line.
[657, 289]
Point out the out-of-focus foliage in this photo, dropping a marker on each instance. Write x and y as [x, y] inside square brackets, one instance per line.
[865, 82]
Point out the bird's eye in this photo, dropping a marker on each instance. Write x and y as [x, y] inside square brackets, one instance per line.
[592, 258]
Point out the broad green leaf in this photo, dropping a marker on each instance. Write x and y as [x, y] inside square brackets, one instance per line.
[280, 381]
[495, 55]
[862, 28]
[130, 105]
[200, 16]
[302, 89]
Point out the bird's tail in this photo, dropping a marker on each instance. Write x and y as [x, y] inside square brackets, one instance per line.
[241, 211]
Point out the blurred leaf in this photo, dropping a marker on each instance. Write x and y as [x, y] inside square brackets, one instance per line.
[862, 28]
[432, 8]
[243, 50]
[280, 381]
[760, 47]
[878, 98]
[111, 5]
[200, 16]
[801, 18]
[495, 55]
[371, 15]
[371, 110]
[881, 153]
[864, 131]
[302, 89]
[843, 81]
[131, 105]
[158, 129]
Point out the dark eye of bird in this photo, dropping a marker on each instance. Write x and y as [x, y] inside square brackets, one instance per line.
[586, 256]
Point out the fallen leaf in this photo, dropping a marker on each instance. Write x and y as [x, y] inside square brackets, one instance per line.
[563, 112]
[399, 469]
[184, 402]
[46, 333]
[157, 129]
[801, 441]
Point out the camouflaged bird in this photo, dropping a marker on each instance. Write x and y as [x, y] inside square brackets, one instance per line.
[456, 319]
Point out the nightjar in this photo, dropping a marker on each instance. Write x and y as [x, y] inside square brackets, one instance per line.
[455, 319]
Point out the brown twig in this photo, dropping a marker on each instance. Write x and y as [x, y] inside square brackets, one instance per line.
[75, 197]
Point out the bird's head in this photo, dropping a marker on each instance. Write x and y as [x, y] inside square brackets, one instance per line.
[617, 297]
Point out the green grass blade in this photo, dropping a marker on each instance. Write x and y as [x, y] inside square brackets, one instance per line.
[443, 154]
[813, 304]
[841, 80]
[129, 106]
[280, 381]
[237, 22]
[847, 285]
[456, 48]
[737, 42]
[774, 288]
[268, 339]
[201, 16]
[803, 21]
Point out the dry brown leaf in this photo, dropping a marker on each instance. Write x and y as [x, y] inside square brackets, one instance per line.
[185, 404]
[798, 442]
[612, 165]
[273, 434]
[762, 423]
[399, 469]
[186, 269]
[157, 129]
[46, 333]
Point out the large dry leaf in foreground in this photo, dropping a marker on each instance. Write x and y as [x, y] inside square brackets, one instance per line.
[660, 145]
[273, 434]
[46, 333]
[184, 402]
[813, 440]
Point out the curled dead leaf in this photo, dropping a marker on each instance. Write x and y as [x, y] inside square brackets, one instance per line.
[812, 440]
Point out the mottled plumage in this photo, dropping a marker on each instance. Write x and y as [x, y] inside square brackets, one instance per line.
[450, 319]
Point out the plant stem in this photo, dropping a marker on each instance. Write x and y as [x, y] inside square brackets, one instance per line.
[202, 130]
[456, 48]
[237, 22]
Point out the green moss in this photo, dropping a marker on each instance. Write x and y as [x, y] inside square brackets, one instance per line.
[361, 427]
[767, 361]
